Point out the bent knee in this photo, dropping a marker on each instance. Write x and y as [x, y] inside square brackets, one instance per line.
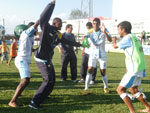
[120, 90]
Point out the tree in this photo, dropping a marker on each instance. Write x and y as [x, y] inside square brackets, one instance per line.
[78, 14]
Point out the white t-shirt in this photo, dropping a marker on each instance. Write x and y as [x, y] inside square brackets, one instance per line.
[97, 45]
[26, 42]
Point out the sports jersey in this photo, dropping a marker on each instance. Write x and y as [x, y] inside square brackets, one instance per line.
[13, 49]
[97, 45]
[50, 37]
[127, 44]
[26, 42]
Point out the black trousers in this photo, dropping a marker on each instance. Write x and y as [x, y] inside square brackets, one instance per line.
[84, 67]
[48, 75]
[65, 59]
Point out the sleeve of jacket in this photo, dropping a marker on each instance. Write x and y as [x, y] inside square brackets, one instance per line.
[65, 41]
[46, 15]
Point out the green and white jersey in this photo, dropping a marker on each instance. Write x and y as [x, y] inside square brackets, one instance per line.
[135, 61]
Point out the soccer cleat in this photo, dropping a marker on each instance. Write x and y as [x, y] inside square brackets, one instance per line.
[106, 90]
[33, 105]
[85, 92]
[81, 81]
[92, 82]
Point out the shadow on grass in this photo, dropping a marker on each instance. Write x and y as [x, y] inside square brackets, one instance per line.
[63, 103]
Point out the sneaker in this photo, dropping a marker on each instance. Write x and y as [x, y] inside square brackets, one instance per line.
[106, 90]
[92, 82]
[33, 105]
[81, 81]
[74, 81]
[62, 80]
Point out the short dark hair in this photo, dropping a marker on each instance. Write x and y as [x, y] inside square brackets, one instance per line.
[125, 25]
[30, 24]
[89, 24]
[56, 19]
[68, 26]
[97, 20]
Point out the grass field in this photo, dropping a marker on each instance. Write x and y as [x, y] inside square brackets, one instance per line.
[67, 96]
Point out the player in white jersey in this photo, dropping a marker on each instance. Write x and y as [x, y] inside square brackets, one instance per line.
[23, 60]
[97, 53]
[135, 65]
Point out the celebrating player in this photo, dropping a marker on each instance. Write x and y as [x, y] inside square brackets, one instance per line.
[23, 60]
[97, 53]
[135, 65]
[50, 38]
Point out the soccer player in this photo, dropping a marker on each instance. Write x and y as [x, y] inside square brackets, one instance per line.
[135, 65]
[23, 60]
[5, 50]
[50, 38]
[85, 58]
[13, 50]
[68, 55]
[97, 53]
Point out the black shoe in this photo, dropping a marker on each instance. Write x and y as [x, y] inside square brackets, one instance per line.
[33, 105]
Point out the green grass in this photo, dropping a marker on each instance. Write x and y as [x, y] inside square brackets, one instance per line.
[67, 96]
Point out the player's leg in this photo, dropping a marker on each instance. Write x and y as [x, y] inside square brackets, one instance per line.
[22, 85]
[6, 56]
[91, 65]
[64, 64]
[127, 82]
[73, 67]
[84, 67]
[2, 58]
[94, 76]
[126, 98]
[10, 61]
[139, 94]
[48, 75]
[24, 71]
[102, 65]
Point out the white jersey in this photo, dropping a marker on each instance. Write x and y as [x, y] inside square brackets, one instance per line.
[97, 45]
[26, 42]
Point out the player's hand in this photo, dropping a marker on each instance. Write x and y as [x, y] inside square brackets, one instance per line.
[102, 28]
[53, 1]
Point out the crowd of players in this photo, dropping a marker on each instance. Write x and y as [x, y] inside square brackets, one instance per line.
[92, 54]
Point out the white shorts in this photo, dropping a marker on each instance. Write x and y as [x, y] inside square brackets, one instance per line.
[132, 80]
[93, 62]
[23, 67]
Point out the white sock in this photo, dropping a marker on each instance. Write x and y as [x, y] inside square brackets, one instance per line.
[87, 81]
[105, 81]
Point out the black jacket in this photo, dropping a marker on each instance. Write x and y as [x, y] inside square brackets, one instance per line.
[49, 38]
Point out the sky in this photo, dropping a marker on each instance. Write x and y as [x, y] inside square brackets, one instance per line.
[17, 11]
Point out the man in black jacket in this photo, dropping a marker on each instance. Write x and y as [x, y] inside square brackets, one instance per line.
[68, 55]
[49, 39]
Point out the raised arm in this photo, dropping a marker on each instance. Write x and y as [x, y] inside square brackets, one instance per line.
[36, 24]
[106, 32]
[46, 14]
